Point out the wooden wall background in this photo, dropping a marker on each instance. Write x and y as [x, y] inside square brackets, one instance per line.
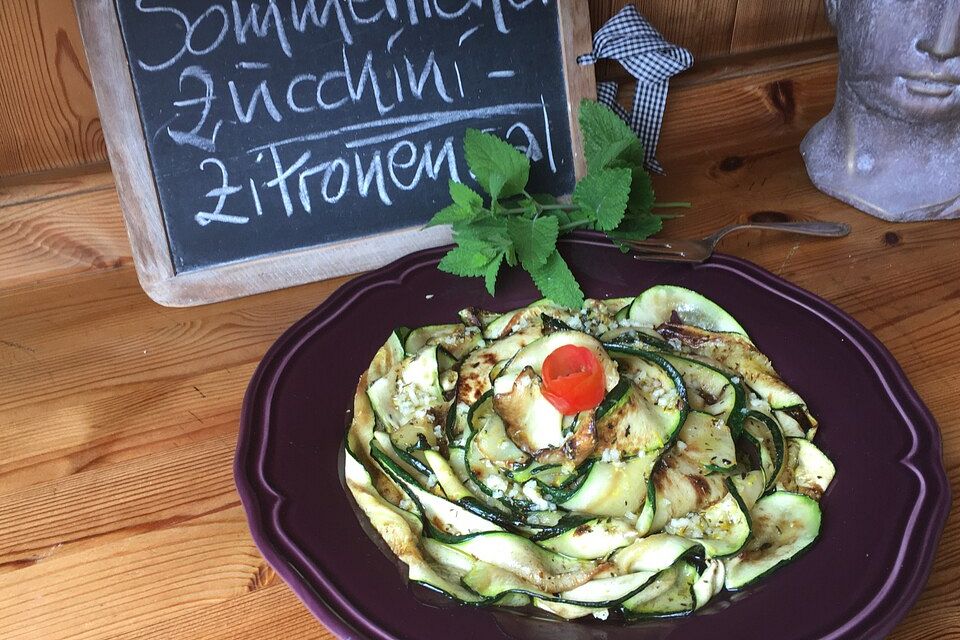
[49, 118]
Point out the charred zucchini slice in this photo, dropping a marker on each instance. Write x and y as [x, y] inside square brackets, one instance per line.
[806, 469]
[613, 488]
[593, 539]
[710, 390]
[457, 339]
[647, 413]
[722, 528]
[517, 319]
[784, 525]
[632, 422]
[674, 596]
[669, 303]
[707, 442]
[764, 433]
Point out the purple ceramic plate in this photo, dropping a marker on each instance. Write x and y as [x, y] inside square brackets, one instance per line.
[883, 514]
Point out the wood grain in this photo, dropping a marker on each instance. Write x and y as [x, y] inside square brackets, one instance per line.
[270, 613]
[705, 28]
[21, 188]
[99, 430]
[118, 514]
[575, 39]
[760, 23]
[720, 27]
[111, 590]
[50, 117]
[72, 231]
[96, 506]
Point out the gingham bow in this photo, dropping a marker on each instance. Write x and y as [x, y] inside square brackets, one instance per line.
[633, 42]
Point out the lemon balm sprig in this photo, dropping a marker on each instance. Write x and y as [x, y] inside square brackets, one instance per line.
[514, 226]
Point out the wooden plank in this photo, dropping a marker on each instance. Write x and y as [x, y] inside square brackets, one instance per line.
[705, 28]
[99, 506]
[108, 591]
[271, 613]
[770, 109]
[576, 38]
[143, 342]
[55, 183]
[50, 115]
[169, 492]
[51, 237]
[747, 64]
[721, 27]
[99, 430]
[760, 23]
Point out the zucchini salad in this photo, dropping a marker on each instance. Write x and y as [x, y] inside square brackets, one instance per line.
[630, 459]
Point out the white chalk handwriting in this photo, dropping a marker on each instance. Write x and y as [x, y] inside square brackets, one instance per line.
[365, 114]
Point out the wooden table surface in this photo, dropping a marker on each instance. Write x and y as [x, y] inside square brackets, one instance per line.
[118, 418]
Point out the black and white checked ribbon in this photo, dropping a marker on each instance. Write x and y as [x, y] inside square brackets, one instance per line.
[633, 42]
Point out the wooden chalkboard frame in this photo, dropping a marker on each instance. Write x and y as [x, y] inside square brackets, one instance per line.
[133, 172]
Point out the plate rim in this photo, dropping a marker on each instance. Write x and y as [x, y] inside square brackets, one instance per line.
[924, 459]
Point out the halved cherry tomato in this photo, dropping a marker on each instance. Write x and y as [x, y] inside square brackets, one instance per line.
[573, 379]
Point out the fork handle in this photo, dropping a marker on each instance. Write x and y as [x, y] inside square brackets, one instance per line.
[825, 229]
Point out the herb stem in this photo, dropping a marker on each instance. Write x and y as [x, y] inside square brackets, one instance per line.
[573, 225]
[543, 207]
[671, 205]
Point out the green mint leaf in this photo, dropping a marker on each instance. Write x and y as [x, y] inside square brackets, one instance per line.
[555, 281]
[465, 196]
[577, 219]
[496, 182]
[635, 228]
[452, 214]
[603, 195]
[563, 218]
[528, 206]
[467, 205]
[607, 140]
[488, 231]
[467, 260]
[641, 193]
[639, 227]
[490, 274]
[534, 240]
[499, 168]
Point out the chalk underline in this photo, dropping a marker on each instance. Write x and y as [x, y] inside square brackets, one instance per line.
[412, 124]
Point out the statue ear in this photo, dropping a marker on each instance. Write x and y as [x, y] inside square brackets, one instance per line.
[832, 12]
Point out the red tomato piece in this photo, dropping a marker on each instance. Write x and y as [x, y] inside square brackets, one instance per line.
[573, 379]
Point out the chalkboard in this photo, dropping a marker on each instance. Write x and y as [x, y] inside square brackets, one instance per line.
[308, 138]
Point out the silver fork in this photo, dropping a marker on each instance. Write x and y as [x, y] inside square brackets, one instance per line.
[699, 250]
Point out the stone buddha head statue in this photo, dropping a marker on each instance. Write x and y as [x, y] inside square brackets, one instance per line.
[891, 144]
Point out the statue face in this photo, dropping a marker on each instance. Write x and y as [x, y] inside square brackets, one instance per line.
[901, 57]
